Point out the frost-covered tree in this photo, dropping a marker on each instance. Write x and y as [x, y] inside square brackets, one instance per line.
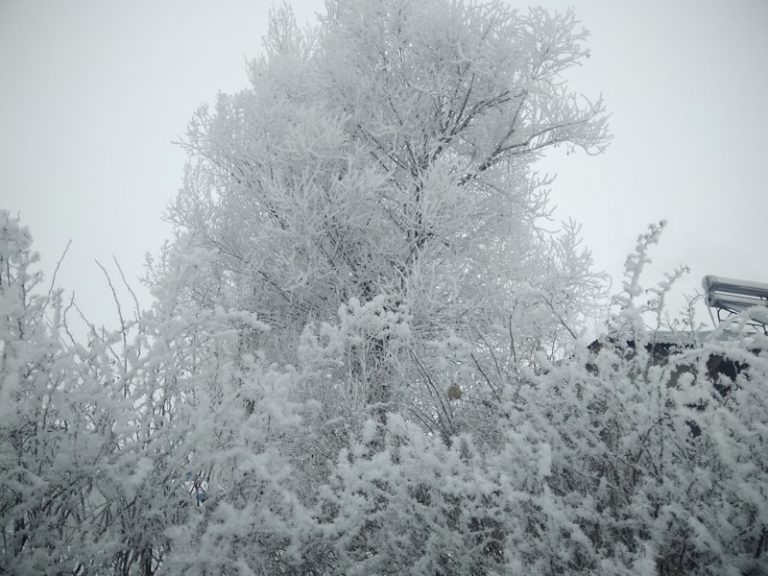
[384, 157]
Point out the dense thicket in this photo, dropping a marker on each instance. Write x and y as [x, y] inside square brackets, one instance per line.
[362, 352]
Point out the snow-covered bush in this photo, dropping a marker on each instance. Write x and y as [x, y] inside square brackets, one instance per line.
[625, 458]
[656, 463]
[56, 426]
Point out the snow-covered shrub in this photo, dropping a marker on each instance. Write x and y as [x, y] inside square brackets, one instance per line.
[656, 464]
[412, 506]
[56, 425]
[626, 458]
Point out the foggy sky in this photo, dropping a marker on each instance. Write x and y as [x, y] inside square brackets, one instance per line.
[93, 92]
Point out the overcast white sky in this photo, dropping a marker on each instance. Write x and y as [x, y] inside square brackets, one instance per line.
[92, 92]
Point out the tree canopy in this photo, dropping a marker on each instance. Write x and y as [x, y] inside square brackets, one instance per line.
[384, 159]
